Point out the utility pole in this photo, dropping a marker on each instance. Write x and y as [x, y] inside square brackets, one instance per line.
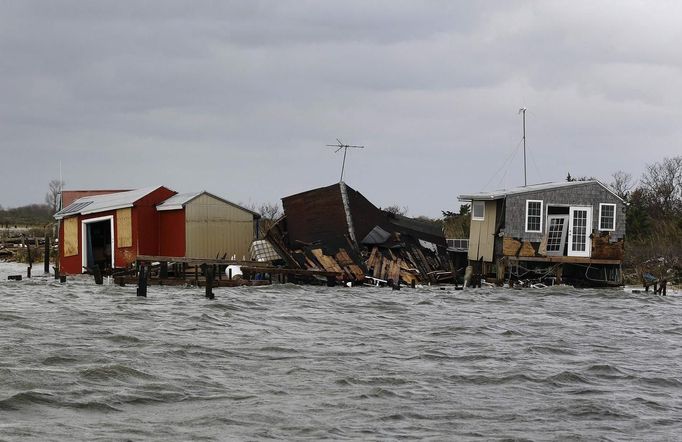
[523, 111]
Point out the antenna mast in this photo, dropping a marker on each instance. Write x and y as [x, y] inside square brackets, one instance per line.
[345, 147]
[523, 111]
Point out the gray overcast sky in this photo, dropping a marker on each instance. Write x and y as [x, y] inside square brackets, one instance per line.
[240, 97]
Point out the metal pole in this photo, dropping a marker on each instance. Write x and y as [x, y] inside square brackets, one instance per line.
[343, 165]
[525, 181]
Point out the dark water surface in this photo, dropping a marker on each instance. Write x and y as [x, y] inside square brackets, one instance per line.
[86, 362]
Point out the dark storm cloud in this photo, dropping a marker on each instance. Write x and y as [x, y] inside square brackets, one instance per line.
[240, 97]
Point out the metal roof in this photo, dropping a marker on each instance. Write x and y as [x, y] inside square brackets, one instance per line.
[499, 194]
[177, 202]
[376, 236]
[101, 203]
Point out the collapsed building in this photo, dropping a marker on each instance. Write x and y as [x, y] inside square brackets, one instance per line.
[336, 229]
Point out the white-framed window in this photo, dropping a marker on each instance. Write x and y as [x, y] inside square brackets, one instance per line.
[478, 210]
[607, 217]
[534, 216]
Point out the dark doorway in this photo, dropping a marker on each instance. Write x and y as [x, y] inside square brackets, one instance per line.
[98, 239]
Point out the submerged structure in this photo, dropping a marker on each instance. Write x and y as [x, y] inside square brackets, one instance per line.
[567, 232]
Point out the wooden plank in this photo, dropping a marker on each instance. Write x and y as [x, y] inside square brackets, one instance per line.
[124, 228]
[283, 271]
[510, 246]
[356, 271]
[71, 236]
[327, 262]
[199, 261]
[603, 248]
[378, 265]
[408, 277]
[527, 249]
[394, 272]
[311, 265]
[385, 268]
[343, 258]
[542, 249]
[373, 257]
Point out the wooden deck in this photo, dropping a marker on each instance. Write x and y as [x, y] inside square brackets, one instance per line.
[563, 260]
[200, 261]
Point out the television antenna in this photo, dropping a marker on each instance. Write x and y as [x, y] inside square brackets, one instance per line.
[345, 147]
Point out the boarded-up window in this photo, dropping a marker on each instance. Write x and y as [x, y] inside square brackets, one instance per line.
[71, 236]
[124, 228]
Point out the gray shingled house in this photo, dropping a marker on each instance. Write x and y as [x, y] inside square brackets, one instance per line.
[572, 231]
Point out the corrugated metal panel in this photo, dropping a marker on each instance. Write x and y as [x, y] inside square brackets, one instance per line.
[71, 236]
[124, 228]
[69, 196]
[101, 203]
[215, 228]
[177, 201]
[482, 234]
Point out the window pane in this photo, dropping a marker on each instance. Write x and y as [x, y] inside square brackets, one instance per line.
[479, 209]
[608, 217]
[533, 216]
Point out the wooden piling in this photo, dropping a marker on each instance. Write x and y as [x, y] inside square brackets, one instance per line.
[142, 281]
[210, 275]
[559, 274]
[97, 273]
[30, 259]
[501, 271]
[46, 257]
[163, 270]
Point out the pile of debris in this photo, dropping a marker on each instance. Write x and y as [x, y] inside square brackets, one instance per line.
[336, 229]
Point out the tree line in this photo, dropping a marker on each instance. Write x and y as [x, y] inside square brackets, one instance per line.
[653, 216]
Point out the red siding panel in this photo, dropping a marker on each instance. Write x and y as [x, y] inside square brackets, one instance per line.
[146, 221]
[172, 233]
[69, 264]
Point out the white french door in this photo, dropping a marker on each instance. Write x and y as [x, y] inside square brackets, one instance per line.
[557, 226]
[579, 230]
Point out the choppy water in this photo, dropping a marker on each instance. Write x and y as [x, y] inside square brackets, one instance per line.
[86, 362]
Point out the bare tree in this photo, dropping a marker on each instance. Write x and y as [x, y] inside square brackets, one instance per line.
[269, 212]
[622, 184]
[396, 210]
[53, 194]
[662, 184]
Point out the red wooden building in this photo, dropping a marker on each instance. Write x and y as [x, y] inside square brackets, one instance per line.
[110, 230]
